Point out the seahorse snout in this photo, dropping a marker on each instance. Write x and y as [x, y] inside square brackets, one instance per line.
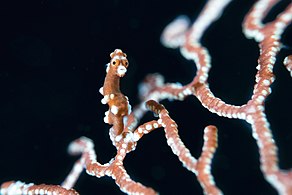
[121, 71]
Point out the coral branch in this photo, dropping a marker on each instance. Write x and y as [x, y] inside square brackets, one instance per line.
[288, 63]
[114, 168]
[18, 187]
[200, 167]
[204, 162]
[268, 36]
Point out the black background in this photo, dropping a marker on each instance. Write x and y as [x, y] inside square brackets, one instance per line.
[52, 63]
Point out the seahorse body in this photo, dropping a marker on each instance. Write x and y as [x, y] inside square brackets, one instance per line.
[117, 102]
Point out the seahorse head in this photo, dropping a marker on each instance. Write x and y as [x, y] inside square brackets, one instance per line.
[118, 63]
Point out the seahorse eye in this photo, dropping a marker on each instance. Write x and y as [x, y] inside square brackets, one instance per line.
[125, 63]
[115, 62]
